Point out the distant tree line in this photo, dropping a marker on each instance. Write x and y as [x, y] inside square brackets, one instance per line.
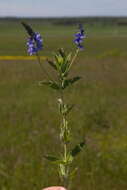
[73, 20]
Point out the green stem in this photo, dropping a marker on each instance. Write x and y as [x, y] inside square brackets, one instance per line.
[76, 53]
[65, 180]
[65, 151]
[65, 144]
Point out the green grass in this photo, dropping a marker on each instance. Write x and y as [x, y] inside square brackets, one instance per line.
[29, 117]
[100, 39]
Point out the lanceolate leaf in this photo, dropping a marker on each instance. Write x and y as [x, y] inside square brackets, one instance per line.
[61, 52]
[28, 29]
[52, 64]
[73, 173]
[52, 84]
[77, 149]
[74, 79]
[68, 82]
[59, 59]
[54, 160]
[51, 158]
[65, 67]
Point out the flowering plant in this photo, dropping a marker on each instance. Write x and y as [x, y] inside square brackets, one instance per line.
[62, 64]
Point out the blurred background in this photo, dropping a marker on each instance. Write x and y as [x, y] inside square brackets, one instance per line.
[29, 125]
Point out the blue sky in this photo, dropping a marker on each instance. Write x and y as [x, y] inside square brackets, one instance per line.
[49, 8]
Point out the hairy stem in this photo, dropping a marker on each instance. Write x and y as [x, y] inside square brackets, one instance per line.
[65, 147]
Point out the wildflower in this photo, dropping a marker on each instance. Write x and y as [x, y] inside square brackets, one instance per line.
[79, 36]
[34, 43]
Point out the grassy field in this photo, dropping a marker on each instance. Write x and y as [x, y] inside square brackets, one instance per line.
[29, 117]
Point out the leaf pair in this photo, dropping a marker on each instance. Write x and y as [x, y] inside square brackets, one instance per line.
[73, 153]
[52, 84]
[56, 86]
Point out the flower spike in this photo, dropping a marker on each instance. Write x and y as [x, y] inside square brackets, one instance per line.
[79, 36]
[34, 42]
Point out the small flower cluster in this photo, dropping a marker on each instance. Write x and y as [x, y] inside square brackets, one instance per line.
[79, 36]
[34, 43]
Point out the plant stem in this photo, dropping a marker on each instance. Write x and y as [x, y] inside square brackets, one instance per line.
[76, 53]
[64, 127]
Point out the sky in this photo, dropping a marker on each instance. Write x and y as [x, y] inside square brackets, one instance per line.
[60, 8]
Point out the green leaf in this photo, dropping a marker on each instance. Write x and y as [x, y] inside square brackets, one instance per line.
[77, 149]
[54, 159]
[51, 158]
[59, 59]
[68, 82]
[67, 63]
[52, 64]
[62, 170]
[58, 62]
[51, 84]
[62, 52]
[69, 158]
[74, 79]
[62, 62]
[73, 173]
[63, 68]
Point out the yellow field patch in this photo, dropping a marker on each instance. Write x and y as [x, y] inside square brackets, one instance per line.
[21, 57]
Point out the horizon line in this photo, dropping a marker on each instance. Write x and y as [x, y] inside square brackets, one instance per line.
[44, 17]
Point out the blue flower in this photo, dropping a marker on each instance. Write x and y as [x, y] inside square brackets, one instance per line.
[34, 43]
[79, 36]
